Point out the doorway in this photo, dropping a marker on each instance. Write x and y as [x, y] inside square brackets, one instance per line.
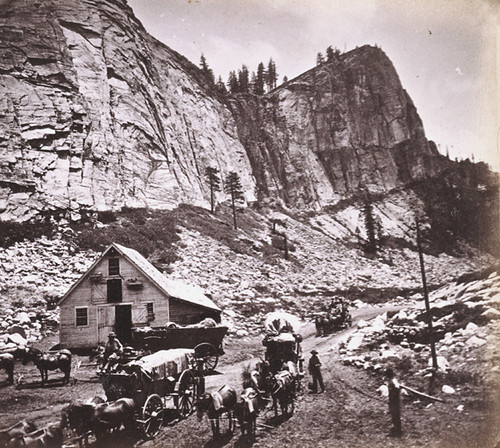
[123, 323]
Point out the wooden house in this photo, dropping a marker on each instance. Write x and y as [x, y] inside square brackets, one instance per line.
[122, 290]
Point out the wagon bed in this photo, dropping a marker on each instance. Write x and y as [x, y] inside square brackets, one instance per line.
[205, 341]
[154, 381]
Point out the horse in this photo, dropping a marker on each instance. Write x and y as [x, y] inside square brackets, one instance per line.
[247, 410]
[283, 392]
[19, 429]
[99, 418]
[49, 361]
[7, 363]
[50, 436]
[216, 405]
[258, 378]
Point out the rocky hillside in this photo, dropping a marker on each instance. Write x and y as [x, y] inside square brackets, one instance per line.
[245, 272]
[96, 114]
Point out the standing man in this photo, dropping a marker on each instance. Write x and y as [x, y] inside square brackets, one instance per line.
[394, 402]
[315, 372]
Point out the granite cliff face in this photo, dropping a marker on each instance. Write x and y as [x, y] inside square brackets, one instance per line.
[96, 114]
[344, 125]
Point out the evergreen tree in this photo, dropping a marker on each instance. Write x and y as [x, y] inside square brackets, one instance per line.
[221, 87]
[235, 190]
[272, 75]
[243, 79]
[329, 54]
[253, 80]
[371, 244]
[213, 180]
[232, 82]
[207, 71]
[260, 79]
[285, 79]
[320, 59]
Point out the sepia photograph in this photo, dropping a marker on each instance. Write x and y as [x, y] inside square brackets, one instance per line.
[249, 223]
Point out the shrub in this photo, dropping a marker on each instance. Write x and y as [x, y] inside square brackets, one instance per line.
[151, 234]
[107, 216]
[13, 232]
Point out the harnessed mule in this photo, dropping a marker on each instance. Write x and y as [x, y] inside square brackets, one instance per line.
[50, 436]
[99, 418]
[217, 405]
[49, 361]
[283, 392]
[247, 410]
[19, 429]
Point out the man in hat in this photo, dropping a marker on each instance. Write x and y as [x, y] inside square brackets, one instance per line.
[113, 349]
[315, 372]
[394, 402]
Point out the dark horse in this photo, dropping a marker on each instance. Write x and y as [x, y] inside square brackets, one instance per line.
[7, 363]
[217, 405]
[99, 418]
[247, 410]
[49, 361]
[283, 392]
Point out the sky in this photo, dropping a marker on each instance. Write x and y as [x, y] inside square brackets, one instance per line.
[445, 51]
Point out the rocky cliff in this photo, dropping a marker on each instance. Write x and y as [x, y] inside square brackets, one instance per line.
[95, 114]
[344, 125]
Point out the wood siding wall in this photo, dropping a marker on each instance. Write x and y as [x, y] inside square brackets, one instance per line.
[185, 313]
[92, 294]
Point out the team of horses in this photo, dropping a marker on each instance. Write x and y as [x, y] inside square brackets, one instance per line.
[260, 388]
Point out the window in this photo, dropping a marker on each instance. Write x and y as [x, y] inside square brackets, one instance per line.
[114, 266]
[82, 317]
[114, 290]
[151, 312]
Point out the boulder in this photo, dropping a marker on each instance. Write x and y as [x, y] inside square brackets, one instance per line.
[17, 329]
[23, 318]
[17, 339]
[448, 389]
[474, 341]
[491, 314]
[355, 342]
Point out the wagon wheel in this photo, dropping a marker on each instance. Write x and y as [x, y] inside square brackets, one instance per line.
[208, 353]
[186, 393]
[152, 415]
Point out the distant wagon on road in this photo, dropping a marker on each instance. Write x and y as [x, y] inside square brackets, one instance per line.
[122, 291]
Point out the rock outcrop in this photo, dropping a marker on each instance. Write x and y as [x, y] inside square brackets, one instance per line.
[344, 125]
[95, 114]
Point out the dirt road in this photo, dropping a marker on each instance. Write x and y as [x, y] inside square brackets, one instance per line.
[349, 414]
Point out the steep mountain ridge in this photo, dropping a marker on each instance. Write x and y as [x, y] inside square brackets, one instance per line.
[339, 127]
[96, 114]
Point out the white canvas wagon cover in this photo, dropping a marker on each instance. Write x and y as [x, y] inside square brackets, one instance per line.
[164, 363]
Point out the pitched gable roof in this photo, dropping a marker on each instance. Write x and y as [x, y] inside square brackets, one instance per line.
[173, 288]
